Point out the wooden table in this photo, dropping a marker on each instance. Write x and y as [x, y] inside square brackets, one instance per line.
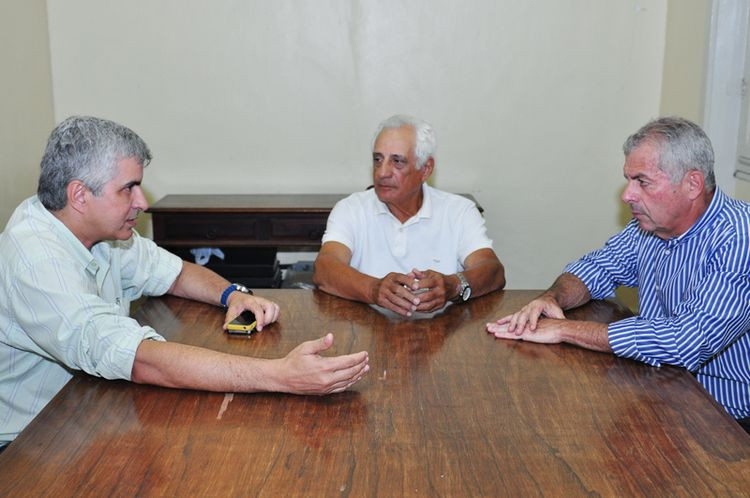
[446, 410]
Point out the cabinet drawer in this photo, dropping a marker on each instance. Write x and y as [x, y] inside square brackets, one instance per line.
[298, 228]
[206, 227]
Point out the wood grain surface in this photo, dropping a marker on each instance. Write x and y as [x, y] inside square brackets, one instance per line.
[446, 410]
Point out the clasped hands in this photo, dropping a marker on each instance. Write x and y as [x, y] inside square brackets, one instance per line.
[419, 290]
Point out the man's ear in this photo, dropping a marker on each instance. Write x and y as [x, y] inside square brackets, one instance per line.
[427, 168]
[695, 183]
[78, 195]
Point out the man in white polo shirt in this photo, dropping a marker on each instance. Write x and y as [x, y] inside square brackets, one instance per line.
[404, 245]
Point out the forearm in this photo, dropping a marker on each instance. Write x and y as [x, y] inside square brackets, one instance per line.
[338, 278]
[568, 291]
[199, 283]
[484, 277]
[176, 365]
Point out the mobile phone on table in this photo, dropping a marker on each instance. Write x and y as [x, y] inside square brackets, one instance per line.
[244, 324]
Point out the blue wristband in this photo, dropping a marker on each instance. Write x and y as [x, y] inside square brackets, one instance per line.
[230, 289]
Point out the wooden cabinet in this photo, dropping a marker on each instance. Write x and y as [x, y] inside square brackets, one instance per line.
[249, 229]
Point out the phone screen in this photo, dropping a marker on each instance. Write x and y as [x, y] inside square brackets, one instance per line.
[244, 324]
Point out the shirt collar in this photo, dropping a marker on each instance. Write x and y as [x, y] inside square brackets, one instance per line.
[714, 208]
[77, 249]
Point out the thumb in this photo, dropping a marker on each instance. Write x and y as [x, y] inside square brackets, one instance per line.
[318, 345]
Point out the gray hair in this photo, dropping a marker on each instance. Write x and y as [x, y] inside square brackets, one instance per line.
[87, 149]
[683, 146]
[425, 136]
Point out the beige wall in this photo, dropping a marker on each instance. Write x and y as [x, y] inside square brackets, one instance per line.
[25, 99]
[685, 55]
[531, 100]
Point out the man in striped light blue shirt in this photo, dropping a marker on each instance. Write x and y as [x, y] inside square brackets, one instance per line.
[687, 250]
[70, 264]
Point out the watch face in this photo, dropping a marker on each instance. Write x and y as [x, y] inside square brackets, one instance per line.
[466, 294]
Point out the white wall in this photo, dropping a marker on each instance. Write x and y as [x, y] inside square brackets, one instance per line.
[25, 99]
[531, 100]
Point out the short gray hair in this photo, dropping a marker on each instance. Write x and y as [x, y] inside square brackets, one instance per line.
[683, 146]
[425, 136]
[87, 149]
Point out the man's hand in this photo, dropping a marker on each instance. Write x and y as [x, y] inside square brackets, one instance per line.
[433, 289]
[394, 292]
[528, 316]
[589, 335]
[265, 311]
[545, 331]
[304, 371]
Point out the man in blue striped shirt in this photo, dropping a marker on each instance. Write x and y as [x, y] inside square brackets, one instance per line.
[687, 249]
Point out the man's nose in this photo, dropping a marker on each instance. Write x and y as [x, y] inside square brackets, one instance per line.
[139, 199]
[628, 196]
[384, 170]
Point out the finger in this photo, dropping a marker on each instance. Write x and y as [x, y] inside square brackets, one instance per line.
[347, 375]
[493, 327]
[432, 304]
[500, 334]
[418, 274]
[513, 322]
[533, 321]
[270, 312]
[504, 320]
[276, 312]
[397, 304]
[342, 363]
[341, 384]
[403, 304]
[393, 280]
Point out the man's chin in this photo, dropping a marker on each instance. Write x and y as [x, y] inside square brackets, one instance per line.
[384, 193]
[125, 233]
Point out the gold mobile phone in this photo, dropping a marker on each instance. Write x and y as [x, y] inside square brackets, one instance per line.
[244, 324]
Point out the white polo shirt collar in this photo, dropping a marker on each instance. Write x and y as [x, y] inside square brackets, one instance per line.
[425, 211]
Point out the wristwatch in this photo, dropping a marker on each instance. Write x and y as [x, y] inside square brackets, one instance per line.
[232, 288]
[464, 291]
